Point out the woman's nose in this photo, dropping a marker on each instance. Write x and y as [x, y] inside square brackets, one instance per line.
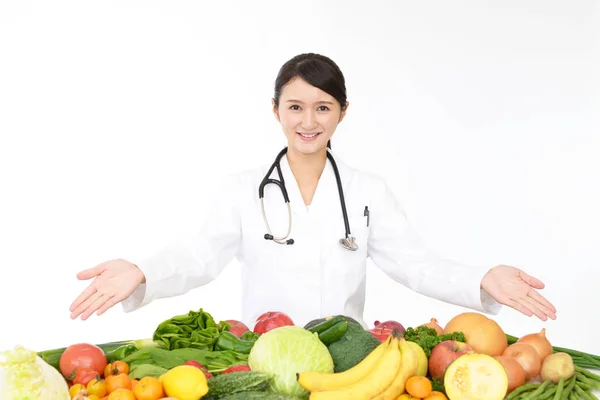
[309, 121]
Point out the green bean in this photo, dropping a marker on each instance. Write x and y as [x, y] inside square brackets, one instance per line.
[538, 391]
[568, 389]
[559, 389]
[581, 393]
[587, 373]
[522, 389]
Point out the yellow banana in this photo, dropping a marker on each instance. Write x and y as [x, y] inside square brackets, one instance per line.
[410, 365]
[423, 362]
[317, 381]
[375, 382]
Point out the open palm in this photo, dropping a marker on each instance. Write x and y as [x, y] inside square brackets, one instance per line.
[113, 282]
[515, 288]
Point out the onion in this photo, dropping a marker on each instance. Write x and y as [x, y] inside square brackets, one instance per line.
[434, 324]
[539, 342]
[514, 371]
[527, 356]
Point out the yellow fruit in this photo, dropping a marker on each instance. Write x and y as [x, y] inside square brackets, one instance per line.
[75, 389]
[409, 367]
[476, 377]
[319, 381]
[422, 357]
[97, 387]
[185, 382]
[93, 397]
[381, 376]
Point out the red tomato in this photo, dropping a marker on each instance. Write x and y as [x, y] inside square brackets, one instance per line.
[271, 320]
[82, 355]
[85, 375]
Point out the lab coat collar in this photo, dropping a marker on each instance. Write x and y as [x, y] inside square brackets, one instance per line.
[326, 196]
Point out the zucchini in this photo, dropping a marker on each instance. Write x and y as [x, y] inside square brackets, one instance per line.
[258, 396]
[237, 382]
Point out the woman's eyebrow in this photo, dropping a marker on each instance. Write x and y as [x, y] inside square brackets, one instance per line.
[301, 102]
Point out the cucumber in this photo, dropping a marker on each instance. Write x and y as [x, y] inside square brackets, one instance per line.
[237, 382]
[334, 333]
[258, 396]
[315, 322]
[325, 324]
[329, 329]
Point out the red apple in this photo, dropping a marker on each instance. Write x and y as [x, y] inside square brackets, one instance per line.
[271, 320]
[381, 333]
[389, 324]
[236, 327]
[443, 354]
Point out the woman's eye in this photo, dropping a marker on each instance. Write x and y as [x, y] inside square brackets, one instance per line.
[323, 108]
[295, 107]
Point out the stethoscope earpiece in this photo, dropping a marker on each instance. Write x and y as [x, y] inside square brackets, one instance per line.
[268, 236]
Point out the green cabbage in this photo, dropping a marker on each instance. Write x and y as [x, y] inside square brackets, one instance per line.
[26, 376]
[286, 351]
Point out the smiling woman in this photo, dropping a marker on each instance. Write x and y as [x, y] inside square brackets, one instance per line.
[312, 276]
[309, 103]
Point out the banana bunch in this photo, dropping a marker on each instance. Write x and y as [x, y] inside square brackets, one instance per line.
[382, 375]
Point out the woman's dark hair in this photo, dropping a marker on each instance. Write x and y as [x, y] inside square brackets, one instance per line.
[319, 71]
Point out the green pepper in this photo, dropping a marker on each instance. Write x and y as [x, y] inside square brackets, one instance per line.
[228, 341]
[120, 353]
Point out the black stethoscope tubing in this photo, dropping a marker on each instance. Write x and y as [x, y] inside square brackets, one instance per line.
[346, 242]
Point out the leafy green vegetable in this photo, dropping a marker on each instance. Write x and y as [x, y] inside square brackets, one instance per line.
[196, 329]
[142, 370]
[215, 361]
[428, 338]
[437, 384]
[284, 352]
[26, 376]
[228, 341]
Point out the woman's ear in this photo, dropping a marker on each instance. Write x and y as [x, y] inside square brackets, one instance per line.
[275, 110]
[343, 112]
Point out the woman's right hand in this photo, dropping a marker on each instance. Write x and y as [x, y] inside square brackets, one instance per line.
[114, 281]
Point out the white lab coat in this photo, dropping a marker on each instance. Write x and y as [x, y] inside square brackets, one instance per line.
[315, 277]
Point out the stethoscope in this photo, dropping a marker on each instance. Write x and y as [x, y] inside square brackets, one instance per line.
[348, 242]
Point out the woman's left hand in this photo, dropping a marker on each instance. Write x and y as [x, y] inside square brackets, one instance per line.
[515, 288]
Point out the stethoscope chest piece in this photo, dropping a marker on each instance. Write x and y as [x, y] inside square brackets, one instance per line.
[349, 243]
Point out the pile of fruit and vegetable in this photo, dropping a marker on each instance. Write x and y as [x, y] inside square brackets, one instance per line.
[193, 357]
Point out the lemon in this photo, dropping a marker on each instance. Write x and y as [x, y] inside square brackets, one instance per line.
[185, 382]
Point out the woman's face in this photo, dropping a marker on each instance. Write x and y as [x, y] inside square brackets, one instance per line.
[308, 116]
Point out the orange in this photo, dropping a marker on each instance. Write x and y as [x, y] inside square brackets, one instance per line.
[418, 386]
[120, 381]
[436, 396]
[407, 396]
[148, 388]
[121, 394]
[133, 383]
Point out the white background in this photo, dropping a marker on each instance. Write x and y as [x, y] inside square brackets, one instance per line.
[118, 117]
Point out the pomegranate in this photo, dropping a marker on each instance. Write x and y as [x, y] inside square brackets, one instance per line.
[381, 333]
[390, 324]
